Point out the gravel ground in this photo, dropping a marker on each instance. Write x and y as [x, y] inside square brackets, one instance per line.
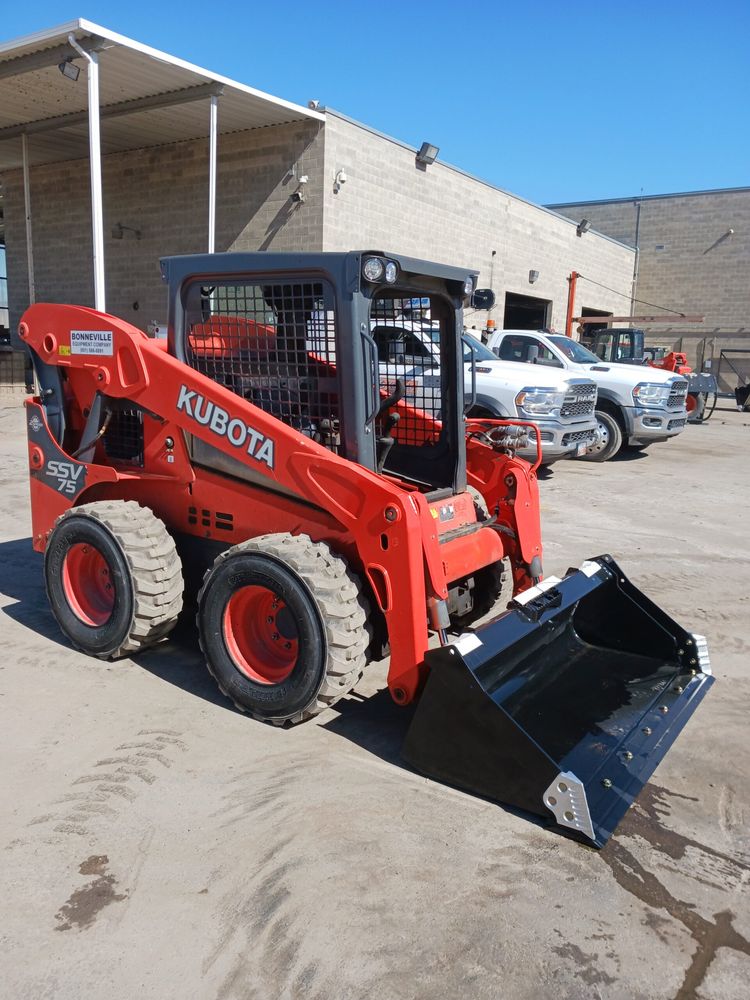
[158, 844]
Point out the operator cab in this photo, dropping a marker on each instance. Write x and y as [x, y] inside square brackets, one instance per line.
[360, 352]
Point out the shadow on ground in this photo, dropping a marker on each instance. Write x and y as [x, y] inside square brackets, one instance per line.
[178, 661]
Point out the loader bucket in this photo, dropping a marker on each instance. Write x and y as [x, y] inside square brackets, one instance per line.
[565, 704]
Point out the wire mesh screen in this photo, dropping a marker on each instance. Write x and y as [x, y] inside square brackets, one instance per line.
[408, 339]
[275, 346]
[123, 440]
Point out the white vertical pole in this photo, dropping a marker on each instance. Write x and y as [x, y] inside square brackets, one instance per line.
[213, 128]
[95, 169]
[27, 212]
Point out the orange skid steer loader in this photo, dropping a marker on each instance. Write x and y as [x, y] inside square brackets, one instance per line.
[333, 517]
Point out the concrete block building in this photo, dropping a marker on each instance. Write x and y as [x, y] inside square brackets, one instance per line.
[693, 257]
[191, 160]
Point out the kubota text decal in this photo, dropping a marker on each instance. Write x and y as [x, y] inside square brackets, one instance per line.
[235, 430]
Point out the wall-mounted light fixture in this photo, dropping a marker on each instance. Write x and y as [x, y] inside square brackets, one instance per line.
[427, 154]
[299, 194]
[583, 227]
[724, 236]
[533, 275]
[118, 231]
[69, 70]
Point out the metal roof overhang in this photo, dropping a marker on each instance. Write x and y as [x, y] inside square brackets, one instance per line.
[127, 96]
[147, 97]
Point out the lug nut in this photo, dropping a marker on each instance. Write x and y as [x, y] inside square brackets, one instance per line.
[269, 618]
[275, 636]
[647, 730]
[663, 709]
[628, 755]
[606, 783]
[679, 688]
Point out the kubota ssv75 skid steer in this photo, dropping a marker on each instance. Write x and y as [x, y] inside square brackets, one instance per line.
[338, 503]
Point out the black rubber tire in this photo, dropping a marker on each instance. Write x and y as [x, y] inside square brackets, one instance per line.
[635, 447]
[328, 612]
[144, 570]
[489, 581]
[612, 442]
[696, 416]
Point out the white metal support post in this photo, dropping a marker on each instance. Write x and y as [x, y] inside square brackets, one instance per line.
[95, 169]
[213, 128]
[27, 213]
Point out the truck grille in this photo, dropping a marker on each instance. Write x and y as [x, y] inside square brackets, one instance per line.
[575, 436]
[677, 395]
[579, 402]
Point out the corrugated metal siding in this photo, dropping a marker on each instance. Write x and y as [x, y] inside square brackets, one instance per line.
[125, 74]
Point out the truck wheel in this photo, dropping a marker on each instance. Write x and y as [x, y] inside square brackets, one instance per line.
[489, 581]
[695, 404]
[113, 577]
[610, 439]
[282, 626]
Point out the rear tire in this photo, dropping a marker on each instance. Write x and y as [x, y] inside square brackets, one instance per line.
[283, 627]
[611, 439]
[113, 577]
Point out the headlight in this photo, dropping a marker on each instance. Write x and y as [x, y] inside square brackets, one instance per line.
[391, 272]
[534, 402]
[373, 269]
[651, 394]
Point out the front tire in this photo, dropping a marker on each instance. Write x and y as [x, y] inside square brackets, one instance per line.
[489, 582]
[113, 577]
[610, 439]
[283, 627]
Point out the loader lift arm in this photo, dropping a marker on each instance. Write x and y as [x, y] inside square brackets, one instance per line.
[395, 529]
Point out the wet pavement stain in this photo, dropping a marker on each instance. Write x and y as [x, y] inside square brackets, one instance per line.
[643, 820]
[84, 905]
[586, 961]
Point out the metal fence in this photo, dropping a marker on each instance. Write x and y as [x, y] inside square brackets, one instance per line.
[732, 370]
[13, 377]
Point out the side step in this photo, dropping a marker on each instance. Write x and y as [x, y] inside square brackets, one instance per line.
[565, 704]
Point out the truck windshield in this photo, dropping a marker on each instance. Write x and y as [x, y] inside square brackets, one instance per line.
[575, 351]
[476, 349]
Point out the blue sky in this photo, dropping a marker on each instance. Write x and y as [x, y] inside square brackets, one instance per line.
[552, 101]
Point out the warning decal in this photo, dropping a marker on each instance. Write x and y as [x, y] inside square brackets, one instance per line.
[91, 342]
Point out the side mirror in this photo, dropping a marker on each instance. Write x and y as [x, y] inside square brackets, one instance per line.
[482, 298]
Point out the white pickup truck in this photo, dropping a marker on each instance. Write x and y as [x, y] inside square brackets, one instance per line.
[561, 404]
[635, 407]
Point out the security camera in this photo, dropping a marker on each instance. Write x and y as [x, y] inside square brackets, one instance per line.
[303, 179]
[313, 105]
[298, 196]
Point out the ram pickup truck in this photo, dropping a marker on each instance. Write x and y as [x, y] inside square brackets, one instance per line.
[635, 407]
[561, 404]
